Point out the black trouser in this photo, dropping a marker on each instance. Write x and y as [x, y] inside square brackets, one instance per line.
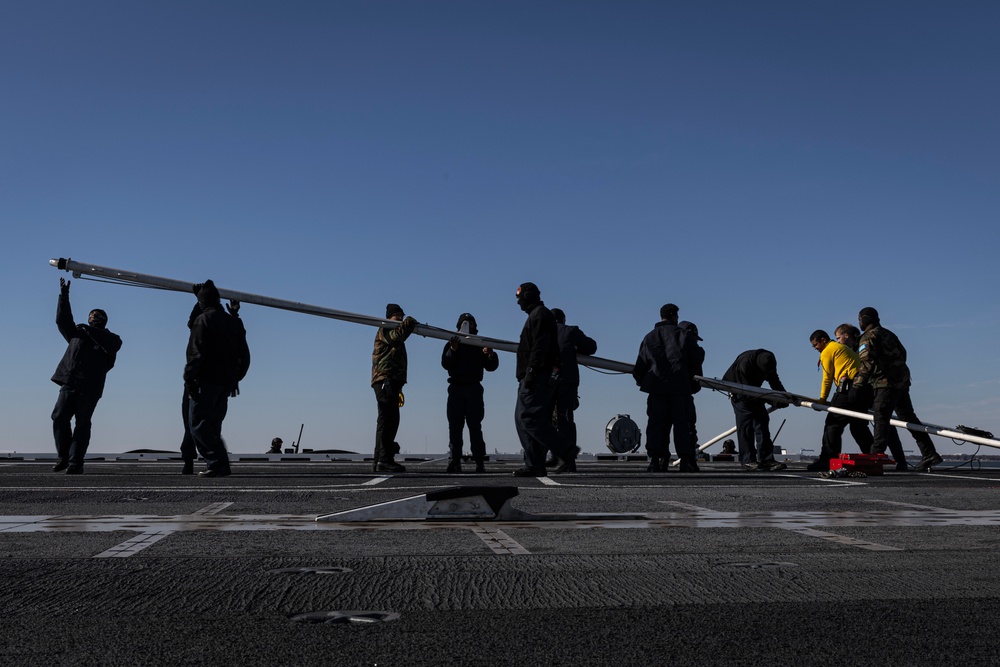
[897, 399]
[753, 432]
[188, 450]
[567, 402]
[665, 412]
[387, 396]
[533, 421]
[693, 416]
[466, 407]
[72, 443]
[206, 411]
[856, 399]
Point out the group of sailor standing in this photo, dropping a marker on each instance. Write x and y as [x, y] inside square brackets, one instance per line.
[866, 369]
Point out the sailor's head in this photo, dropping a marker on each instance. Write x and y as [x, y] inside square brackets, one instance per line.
[691, 328]
[868, 318]
[668, 313]
[471, 319]
[766, 361]
[208, 294]
[527, 295]
[819, 339]
[97, 318]
[847, 334]
[559, 315]
[393, 311]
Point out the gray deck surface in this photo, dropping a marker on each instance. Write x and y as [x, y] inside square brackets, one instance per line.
[134, 564]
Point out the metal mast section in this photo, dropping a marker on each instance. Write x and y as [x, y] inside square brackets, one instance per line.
[122, 277]
[94, 272]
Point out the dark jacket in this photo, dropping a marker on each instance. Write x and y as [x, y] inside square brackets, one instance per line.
[538, 348]
[217, 351]
[572, 342]
[465, 365]
[667, 362]
[389, 353]
[883, 359]
[753, 368]
[91, 352]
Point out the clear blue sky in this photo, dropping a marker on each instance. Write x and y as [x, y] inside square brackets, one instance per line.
[770, 167]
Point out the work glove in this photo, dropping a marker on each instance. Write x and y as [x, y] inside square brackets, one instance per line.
[191, 387]
[233, 307]
[235, 392]
[64, 287]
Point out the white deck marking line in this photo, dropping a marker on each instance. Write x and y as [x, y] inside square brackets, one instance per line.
[548, 481]
[499, 542]
[841, 539]
[135, 545]
[214, 508]
[919, 507]
[376, 480]
[686, 506]
[945, 476]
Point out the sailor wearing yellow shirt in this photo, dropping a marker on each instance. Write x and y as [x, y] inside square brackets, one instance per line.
[840, 364]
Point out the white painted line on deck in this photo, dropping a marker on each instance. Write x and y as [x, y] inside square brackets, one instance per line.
[841, 539]
[133, 546]
[377, 480]
[962, 477]
[914, 506]
[499, 542]
[214, 508]
[548, 481]
[686, 506]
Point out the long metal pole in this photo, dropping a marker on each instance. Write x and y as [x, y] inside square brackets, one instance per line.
[806, 402]
[83, 270]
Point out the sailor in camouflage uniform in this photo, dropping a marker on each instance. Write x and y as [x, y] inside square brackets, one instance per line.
[388, 378]
[883, 366]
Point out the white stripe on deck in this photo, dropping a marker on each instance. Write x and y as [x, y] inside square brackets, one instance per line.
[842, 539]
[499, 542]
[214, 508]
[134, 545]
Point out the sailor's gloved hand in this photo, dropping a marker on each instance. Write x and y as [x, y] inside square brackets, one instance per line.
[528, 382]
[197, 288]
[234, 308]
[64, 287]
[191, 387]
[453, 343]
[235, 392]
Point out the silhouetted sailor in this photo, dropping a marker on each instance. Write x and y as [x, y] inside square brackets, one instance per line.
[692, 329]
[218, 358]
[388, 378]
[572, 341]
[537, 373]
[883, 366]
[839, 364]
[753, 433]
[465, 365]
[188, 450]
[81, 373]
[665, 368]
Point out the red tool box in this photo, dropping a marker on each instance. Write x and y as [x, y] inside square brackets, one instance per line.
[869, 464]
